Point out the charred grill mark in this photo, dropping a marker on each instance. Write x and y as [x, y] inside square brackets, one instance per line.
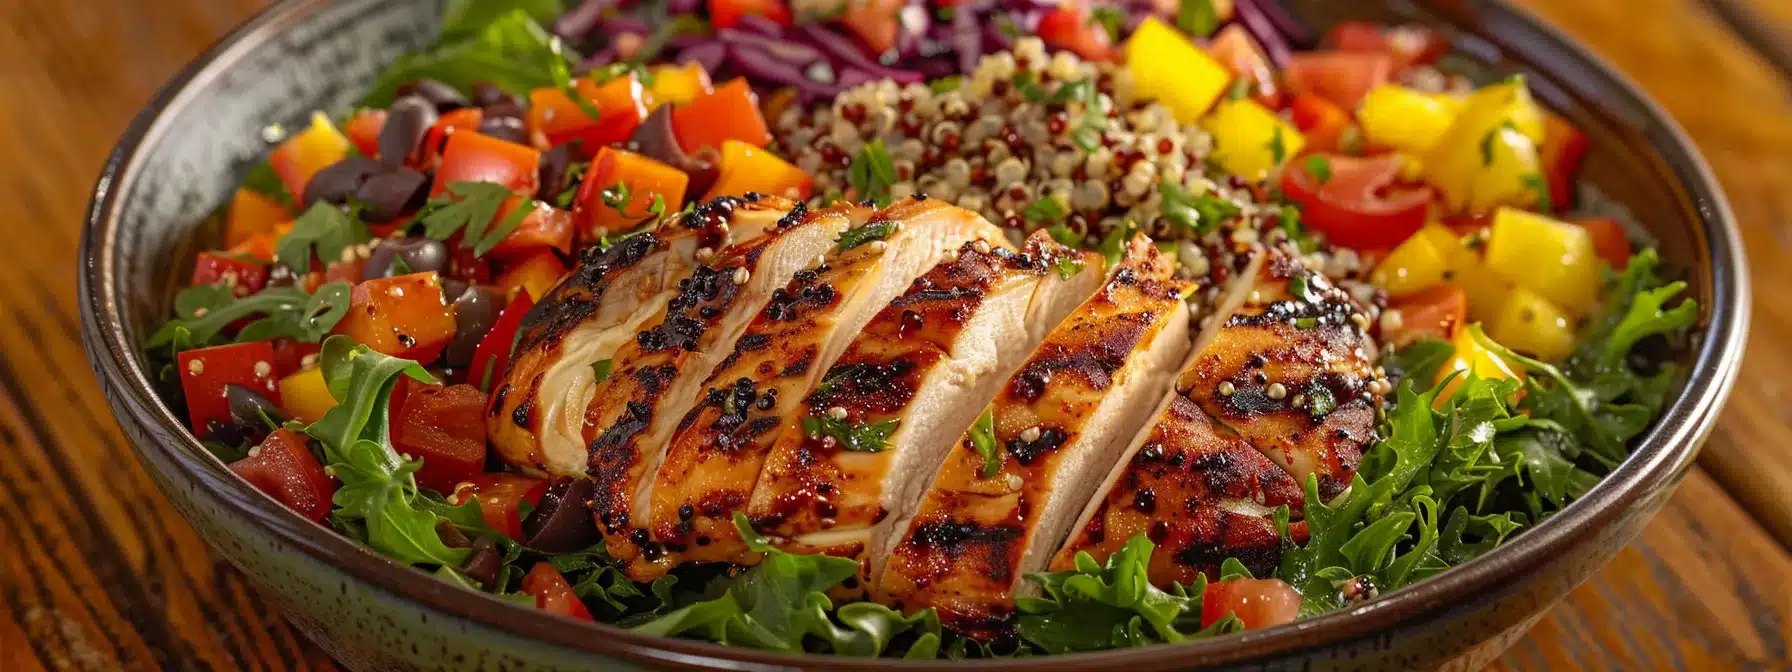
[497, 405]
[867, 386]
[1214, 534]
[753, 342]
[708, 288]
[1094, 362]
[939, 545]
[577, 299]
[1026, 452]
[799, 366]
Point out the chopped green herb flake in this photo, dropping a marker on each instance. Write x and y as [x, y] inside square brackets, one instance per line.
[1197, 18]
[871, 173]
[857, 437]
[1320, 167]
[1045, 209]
[983, 439]
[865, 233]
[1199, 213]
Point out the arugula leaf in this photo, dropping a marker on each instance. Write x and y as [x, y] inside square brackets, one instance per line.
[1199, 213]
[1110, 605]
[510, 50]
[462, 18]
[983, 438]
[858, 437]
[202, 312]
[871, 173]
[1419, 361]
[323, 229]
[864, 234]
[263, 180]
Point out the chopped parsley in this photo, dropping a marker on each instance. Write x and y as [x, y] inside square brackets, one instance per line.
[1045, 209]
[945, 85]
[1488, 140]
[864, 233]
[1278, 148]
[1113, 245]
[1064, 235]
[1068, 267]
[468, 208]
[1241, 89]
[618, 197]
[561, 71]
[1200, 212]
[575, 176]
[1320, 167]
[1540, 187]
[871, 173]
[600, 369]
[323, 230]
[858, 437]
[983, 438]
[1197, 18]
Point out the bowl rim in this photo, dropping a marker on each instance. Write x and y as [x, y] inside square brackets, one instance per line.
[1662, 456]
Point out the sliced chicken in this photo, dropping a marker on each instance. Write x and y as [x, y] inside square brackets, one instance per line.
[1009, 491]
[923, 369]
[584, 319]
[715, 455]
[654, 378]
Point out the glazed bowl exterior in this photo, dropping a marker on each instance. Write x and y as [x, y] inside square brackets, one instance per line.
[183, 155]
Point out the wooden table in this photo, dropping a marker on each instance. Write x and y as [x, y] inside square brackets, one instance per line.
[98, 572]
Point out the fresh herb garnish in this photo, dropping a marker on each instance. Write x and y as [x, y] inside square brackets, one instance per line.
[1288, 219]
[871, 173]
[1100, 606]
[1241, 89]
[575, 177]
[858, 437]
[864, 234]
[1064, 235]
[510, 50]
[561, 70]
[324, 230]
[1278, 148]
[945, 85]
[1197, 18]
[1492, 136]
[983, 438]
[1113, 245]
[1540, 187]
[202, 312]
[1320, 167]
[1068, 267]
[1200, 212]
[1045, 209]
[600, 369]
[1110, 18]
[468, 208]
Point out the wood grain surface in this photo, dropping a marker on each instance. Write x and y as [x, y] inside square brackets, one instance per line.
[98, 573]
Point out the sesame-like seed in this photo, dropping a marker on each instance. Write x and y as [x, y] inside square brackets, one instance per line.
[308, 361]
[837, 413]
[196, 367]
[200, 311]
[741, 275]
[254, 451]
[1029, 434]
[1256, 297]
[395, 291]
[1013, 481]
[704, 253]
[877, 245]
[263, 369]
[1300, 400]
[981, 246]
[1277, 391]
[1226, 388]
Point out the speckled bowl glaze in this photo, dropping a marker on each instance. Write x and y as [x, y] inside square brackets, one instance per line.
[183, 155]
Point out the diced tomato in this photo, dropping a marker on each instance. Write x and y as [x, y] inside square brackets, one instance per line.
[1234, 47]
[363, 129]
[552, 593]
[1342, 77]
[308, 151]
[284, 467]
[1321, 120]
[1564, 146]
[251, 214]
[206, 372]
[1360, 205]
[1409, 45]
[876, 22]
[336, 271]
[536, 273]
[615, 173]
[445, 426]
[243, 276]
[1609, 240]
[730, 113]
[453, 121]
[622, 103]
[261, 246]
[499, 495]
[491, 358]
[402, 316]
[464, 266]
[1260, 603]
[1067, 26]
[727, 13]
[746, 168]
[290, 354]
[544, 228]
[472, 157]
[1435, 312]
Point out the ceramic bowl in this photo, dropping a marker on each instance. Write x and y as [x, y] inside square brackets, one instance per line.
[184, 154]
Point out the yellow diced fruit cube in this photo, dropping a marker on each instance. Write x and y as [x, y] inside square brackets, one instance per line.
[1555, 259]
[679, 84]
[1249, 140]
[1502, 169]
[1419, 262]
[1506, 103]
[1471, 357]
[1167, 67]
[1404, 119]
[305, 395]
[1531, 324]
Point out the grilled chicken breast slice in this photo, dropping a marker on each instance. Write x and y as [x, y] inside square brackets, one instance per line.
[1006, 495]
[923, 367]
[654, 378]
[1291, 371]
[585, 318]
[750, 400]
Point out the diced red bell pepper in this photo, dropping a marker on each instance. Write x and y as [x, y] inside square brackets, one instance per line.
[544, 228]
[1342, 77]
[730, 113]
[402, 316]
[453, 121]
[1067, 26]
[499, 495]
[536, 273]
[727, 13]
[1564, 146]
[552, 593]
[251, 214]
[1409, 45]
[472, 157]
[464, 266]
[445, 426]
[290, 354]
[491, 358]
[286, 470]
[622, 103]
[336, 271]
[1234, 47]
[746, 168]
[614, 174]
[1609, 240]
[363, 130]
[1320, 120]
[204, 374]
[241, 275]
[309, 151]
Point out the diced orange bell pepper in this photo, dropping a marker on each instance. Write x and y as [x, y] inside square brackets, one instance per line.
[363, 130]
[1609, 240]
[402, 316]
[536, 273]
[746, 168]
[261, 246]
[730, 113]
[622, 104]
[472, 157]
[619, 190]
[680, 84]
[454, 121]
[309, 151]
[1563, 148]
[305, 395]
[1234, 47]
[251, 213]
[1320, 120]
[545, 227]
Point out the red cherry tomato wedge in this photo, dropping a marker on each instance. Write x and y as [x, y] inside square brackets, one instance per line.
[1321, 120]
[1609, 240]
[727, 13]
[1068, 27]
[445, 426]
[1260, 603]
[1435, 312]
[499, 497]
[1342, 77]
[1564, 146]
[242, 276]
[285, 469]
[552, 593]
[205, 373]
[1409, 45]
[1360, 204]
[492, 356]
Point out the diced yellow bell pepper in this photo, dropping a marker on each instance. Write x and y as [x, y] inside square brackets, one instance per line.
[1488, 156]
[1419, 262]
[1530, 323]
[308, 151]
[1495, 105]
[1404, 119]
[1249, 140]
[305, 395]
[679, 84]
[1470, 356]
[1555, 259]
[1168, 68]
